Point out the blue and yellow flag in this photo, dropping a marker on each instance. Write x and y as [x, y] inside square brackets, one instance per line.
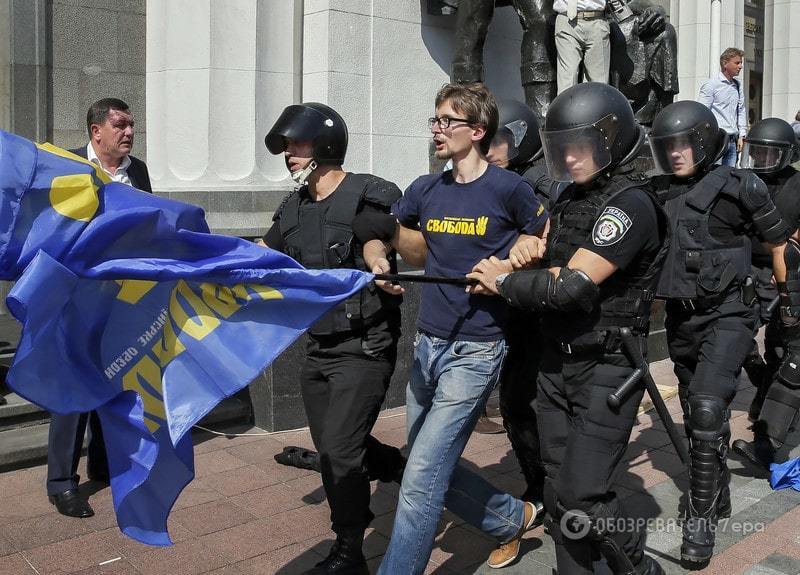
[131, 307]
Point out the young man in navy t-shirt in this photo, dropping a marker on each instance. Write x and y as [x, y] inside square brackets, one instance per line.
[449, 222]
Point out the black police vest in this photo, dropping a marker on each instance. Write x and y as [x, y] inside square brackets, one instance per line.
[698, 266]
[626, 296]
[786, 181]
[338, 248]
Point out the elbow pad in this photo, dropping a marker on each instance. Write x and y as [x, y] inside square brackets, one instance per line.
[371, 225]
[766, 217]
[538, 290]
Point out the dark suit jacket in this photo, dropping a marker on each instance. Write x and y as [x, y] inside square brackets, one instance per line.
[137, 171]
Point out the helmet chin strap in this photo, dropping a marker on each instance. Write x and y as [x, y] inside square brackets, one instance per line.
[301, 176]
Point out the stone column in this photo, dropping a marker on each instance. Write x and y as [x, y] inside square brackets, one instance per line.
[5, 64]
[692, 20]
[218, 74]
[781, 53]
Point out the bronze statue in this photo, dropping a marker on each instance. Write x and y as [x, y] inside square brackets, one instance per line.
[538, 51]
[643, 52]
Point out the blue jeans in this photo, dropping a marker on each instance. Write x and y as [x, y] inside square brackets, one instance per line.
[729, 155]
[450, 383]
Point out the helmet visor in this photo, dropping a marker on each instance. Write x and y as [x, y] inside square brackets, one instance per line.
[677, 153]
[297, 122]
[575, 155]
[764, 157]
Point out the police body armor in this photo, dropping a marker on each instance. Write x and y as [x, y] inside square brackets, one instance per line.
[780, 183]
[338, 249]
[626, 296]
[700, 268]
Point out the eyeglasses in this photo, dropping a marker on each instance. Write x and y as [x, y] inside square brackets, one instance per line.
[444, 122]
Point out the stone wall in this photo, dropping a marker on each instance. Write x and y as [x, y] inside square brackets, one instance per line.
[98, 51]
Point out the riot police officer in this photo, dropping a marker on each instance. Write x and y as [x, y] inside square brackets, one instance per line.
[769, 149]
[352, 349]
[598, 273]
[713, 210]
[517, 146]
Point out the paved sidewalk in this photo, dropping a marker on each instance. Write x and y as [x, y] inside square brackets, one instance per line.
[246, 515]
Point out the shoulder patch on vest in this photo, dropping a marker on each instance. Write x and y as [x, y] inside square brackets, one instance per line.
[610, 227]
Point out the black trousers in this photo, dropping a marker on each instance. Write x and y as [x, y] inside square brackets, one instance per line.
[342, 396]
[708, 347]
[518, 398]
[64, 450]
[582, 443]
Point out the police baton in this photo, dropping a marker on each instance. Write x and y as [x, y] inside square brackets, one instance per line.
[462, 281]
[641, 373]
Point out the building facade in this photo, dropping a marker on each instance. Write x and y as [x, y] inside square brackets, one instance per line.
[206, 78]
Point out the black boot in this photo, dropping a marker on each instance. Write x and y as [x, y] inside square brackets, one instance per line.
[707, 477]
[760, 452]
[299, 457]
[345, 557]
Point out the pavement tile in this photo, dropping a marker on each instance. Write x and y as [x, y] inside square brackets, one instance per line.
[295, 558]
[25, 505]
[77, 554]
[458, 547]
[43, 530]
[190, 557]
[216, 462]
[269, 501]
[6, 548]
[212, 517]
[24, 481]
[763, 570]
[395, 436]
[308, 487]
[238, 480]
[783, 563]
[196, 493]
[16, 565]
[227, 570]
[120, 567]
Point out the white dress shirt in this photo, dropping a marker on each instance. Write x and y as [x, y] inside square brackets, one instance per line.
[560, 6]
[726, 99]
[121, 175]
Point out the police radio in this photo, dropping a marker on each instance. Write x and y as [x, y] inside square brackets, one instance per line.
[620, 10]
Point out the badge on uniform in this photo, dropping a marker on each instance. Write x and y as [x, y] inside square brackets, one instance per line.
[609, 228]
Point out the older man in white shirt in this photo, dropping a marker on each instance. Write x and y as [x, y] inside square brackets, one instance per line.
[582, 35]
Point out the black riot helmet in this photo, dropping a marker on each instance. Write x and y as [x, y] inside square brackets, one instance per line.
[313, 122]
[770, 146]
[685, 134]
[592, 120]
[519, 129]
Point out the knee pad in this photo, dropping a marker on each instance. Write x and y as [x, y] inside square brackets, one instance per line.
[789, 370]
[708, 416]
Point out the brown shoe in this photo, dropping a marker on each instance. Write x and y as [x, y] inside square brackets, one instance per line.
[508, 551]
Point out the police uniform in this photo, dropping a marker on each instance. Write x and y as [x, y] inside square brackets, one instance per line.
[351, 350]
[583, 439]
[519, 126]
[783, 188]
[768, 150]
[714, 212]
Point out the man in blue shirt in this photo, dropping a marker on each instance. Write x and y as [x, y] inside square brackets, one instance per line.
[724, 96]
[448, 222]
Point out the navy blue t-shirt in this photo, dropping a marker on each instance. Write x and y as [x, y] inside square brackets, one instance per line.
[462, 224]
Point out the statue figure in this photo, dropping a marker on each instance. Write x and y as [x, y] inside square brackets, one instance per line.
[643, 51]
[644, 62]
[538, 51]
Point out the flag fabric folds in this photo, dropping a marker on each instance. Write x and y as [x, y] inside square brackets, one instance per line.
[785, 474]
[131, 307]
